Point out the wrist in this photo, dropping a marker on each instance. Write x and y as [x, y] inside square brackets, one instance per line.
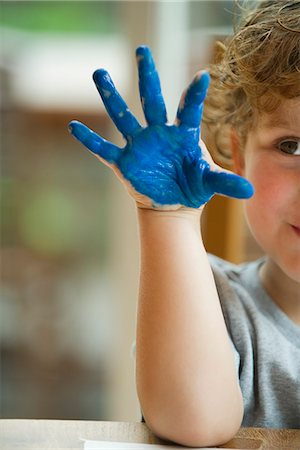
[177, 211]
[165, 217]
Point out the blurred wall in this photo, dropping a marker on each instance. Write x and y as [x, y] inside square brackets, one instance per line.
[69, 245]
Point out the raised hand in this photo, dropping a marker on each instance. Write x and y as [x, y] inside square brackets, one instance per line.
[162, 165]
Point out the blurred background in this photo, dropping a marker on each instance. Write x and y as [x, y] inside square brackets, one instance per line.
[69, 247]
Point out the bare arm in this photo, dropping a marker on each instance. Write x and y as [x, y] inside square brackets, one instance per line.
[186, 378]
[185, 371]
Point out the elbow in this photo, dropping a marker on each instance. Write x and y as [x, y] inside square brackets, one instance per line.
[194, 433]
[195, 428]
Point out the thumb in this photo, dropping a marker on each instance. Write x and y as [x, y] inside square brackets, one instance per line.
[227, 183]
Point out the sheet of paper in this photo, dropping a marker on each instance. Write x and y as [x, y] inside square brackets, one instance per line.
[108, 445]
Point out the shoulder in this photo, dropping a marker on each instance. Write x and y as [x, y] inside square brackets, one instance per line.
[232, 278]
[231, 270]
[237, 287]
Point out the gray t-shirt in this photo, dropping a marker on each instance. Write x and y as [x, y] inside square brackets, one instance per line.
[266, 346]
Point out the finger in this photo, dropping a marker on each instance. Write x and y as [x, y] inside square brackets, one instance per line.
[150, 90]
[190, 109]
[227, 183]
[96, 144]
[124, 120]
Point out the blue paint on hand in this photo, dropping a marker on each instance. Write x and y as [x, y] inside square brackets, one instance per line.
[161, 163]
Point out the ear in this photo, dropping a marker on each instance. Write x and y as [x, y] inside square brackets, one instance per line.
[237, 155]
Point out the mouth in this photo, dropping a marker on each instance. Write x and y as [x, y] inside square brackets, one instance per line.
[296, 230]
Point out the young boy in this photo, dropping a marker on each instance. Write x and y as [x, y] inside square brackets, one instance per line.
[217, 344]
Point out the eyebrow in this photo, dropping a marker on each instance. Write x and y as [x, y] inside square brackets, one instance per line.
[279, 123]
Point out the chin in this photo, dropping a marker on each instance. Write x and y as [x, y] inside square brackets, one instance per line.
[295, 275]
[291, 268]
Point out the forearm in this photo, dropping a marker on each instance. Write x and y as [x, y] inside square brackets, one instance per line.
[185, 367]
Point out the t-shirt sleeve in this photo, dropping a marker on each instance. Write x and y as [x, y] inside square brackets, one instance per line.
[227, 297]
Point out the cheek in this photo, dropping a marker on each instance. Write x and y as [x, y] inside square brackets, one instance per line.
[264, 208]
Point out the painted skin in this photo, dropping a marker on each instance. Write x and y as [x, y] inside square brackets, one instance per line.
[163, 166]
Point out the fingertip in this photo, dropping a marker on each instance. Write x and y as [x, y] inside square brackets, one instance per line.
[248, 189]
[85, 135]
[79, 130]
[72, 125]
[243, 190]
[142, 50]
[203, 79]
[99, 75]
[144, 58]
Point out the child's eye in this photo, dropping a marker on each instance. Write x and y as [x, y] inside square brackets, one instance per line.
[292, 147]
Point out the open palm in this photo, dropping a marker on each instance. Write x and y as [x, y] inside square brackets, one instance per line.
[162, 165]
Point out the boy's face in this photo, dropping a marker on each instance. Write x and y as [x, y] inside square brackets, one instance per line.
[271, 162]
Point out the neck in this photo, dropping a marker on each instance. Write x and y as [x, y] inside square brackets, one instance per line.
[284, 291]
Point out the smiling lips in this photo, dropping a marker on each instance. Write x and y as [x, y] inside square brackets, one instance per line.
[296, 229]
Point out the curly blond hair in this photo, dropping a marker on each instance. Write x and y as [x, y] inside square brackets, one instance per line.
[254, 70]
